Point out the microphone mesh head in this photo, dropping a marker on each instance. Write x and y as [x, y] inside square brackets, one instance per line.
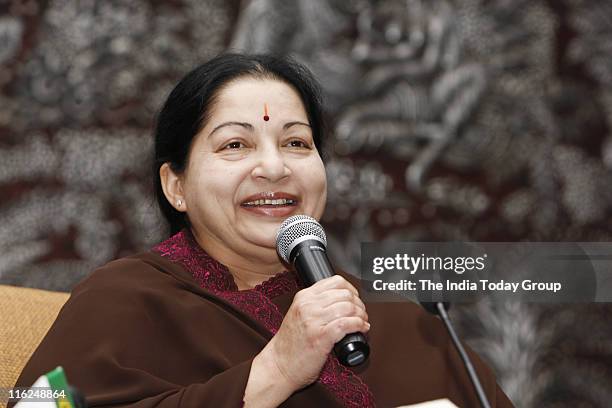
[294, 228]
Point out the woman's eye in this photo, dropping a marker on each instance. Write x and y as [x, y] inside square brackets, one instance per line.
[234, 145]
[298, 143]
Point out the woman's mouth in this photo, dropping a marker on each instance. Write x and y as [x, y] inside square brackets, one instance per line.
[270, 204]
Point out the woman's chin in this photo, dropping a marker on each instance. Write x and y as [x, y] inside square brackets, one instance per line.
[261, 230]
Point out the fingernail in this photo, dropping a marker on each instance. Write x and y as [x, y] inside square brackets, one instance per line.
[368, 325]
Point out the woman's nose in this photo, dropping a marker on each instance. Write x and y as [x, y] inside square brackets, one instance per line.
[271, 165]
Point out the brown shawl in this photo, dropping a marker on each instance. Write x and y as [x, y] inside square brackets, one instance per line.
[169, 328]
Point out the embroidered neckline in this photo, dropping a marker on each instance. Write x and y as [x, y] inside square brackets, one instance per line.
[215, 277]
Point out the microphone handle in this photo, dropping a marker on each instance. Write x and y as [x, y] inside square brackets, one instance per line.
[311, 262]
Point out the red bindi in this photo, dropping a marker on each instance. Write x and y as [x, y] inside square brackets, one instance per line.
[266, 117]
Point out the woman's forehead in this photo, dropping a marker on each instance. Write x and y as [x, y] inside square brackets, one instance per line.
[259, 97]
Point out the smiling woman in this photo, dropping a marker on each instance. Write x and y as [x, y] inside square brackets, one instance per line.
[211, 316]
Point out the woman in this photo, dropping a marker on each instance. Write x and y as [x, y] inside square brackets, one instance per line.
[211, 317]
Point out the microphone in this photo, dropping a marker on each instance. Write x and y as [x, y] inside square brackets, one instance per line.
[440, 308]
[301, 242]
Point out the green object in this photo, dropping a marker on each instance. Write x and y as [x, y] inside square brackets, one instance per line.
[57, 381]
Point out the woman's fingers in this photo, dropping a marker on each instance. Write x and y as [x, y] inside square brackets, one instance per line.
[311, 311]
[337, 329]
[330, 299]
[334, 282]
[344, 309]
[331, 296]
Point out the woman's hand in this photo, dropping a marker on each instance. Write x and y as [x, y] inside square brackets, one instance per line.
[319, 317]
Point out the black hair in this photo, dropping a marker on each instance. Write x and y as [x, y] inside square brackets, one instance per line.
[190, 103]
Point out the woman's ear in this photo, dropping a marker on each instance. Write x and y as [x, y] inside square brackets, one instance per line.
[172, 185]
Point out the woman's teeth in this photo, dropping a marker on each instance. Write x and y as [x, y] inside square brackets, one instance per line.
[280, 201]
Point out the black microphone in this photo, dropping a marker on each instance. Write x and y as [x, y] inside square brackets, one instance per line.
[440, 308]
[301, 242]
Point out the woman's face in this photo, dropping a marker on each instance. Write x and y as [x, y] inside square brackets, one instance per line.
[253, 165]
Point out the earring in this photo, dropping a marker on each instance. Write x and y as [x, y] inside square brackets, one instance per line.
[179, 203]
